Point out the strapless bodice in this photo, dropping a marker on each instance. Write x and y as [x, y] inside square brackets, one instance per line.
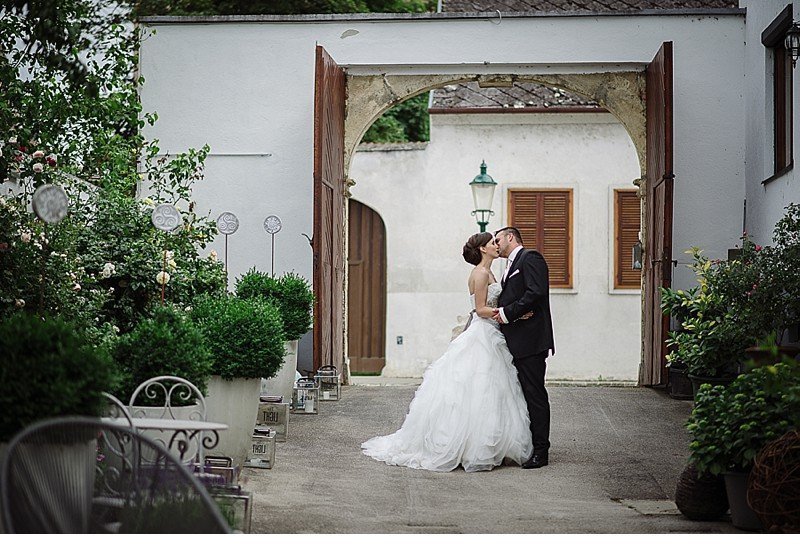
[492, 295]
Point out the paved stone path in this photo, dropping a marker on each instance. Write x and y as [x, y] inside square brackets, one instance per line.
[615, 459]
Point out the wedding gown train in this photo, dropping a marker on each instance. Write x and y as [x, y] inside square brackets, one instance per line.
[469, 409]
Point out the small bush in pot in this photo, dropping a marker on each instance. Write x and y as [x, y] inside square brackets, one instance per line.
[245, 336]
[731, 424]
[48, 369]
[166, 344]
[290, 293]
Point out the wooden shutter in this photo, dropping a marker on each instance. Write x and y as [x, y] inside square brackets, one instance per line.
[544, 220]
[329, 203]
[627, 217]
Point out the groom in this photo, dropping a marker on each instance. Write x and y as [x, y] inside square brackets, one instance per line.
[524, 317]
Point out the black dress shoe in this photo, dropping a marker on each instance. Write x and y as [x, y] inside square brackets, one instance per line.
[535, 462]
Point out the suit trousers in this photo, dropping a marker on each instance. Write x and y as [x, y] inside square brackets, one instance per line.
[530, 371]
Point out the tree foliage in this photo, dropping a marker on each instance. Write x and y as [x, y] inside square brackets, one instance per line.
[278, 7]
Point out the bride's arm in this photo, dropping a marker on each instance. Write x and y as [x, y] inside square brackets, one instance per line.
[481, 293]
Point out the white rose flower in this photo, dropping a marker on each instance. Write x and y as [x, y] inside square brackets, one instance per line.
[212, 255]
[187, 308]
[38, 167]
[20, 303]
[162, 278]
[170, 255]
[38, 154]
[76, 287]
[12, 140]
[25, 237]
[115, 328]
[108, 270]
[172, 264]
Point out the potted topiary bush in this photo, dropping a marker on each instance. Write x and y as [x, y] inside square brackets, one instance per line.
[246, 340]
[166, 344]
[731, 424]
[47, 369]
[293, 297]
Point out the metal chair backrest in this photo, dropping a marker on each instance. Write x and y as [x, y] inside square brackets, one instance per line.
[80, 475]
[168, 393]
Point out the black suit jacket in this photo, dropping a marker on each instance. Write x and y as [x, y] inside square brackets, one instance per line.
[527, 289]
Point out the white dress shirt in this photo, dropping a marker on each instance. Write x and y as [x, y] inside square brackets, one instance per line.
[511, 258]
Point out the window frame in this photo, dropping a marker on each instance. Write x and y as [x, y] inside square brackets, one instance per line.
[570, 284]
[616, 244]
[782, 94]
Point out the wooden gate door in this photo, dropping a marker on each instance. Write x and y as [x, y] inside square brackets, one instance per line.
[658, 215]
[366, 289]
[329, 198]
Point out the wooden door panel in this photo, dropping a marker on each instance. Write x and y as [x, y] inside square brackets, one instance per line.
[366, 293]
[658, 215]
[329, 196]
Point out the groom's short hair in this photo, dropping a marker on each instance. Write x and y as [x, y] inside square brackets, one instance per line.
[513, 231]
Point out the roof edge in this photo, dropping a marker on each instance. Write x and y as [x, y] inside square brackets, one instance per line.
[368, 17]
[523, 110]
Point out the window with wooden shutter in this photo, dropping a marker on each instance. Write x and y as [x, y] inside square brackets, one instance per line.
[782, 91]
[627, 217]
[544, 220]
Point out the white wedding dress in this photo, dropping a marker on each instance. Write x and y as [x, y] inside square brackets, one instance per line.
[469, 409]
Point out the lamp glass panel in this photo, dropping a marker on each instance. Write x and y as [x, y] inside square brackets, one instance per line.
[483, 194]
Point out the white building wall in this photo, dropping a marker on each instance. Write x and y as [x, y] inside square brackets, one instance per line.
[424, 198]
[765, 202]
[246, 88]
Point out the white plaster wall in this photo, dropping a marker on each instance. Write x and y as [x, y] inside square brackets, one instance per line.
[765, 203]
[424, 198]
[247, 88]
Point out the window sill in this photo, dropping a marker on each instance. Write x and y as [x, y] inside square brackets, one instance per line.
[779, 174]
[625, 291]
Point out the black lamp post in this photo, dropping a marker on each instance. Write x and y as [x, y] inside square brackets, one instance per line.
[482, 194]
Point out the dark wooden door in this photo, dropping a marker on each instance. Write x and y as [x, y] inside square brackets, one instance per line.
[329, 202]
[366, 289]
[658, 215]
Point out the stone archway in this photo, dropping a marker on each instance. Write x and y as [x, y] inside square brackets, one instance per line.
[621, 93]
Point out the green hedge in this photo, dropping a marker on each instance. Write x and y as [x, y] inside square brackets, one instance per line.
[48, 369]
[245, 336]
[290, 293]
[168, 344]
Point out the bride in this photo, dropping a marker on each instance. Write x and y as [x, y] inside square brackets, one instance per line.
[469, 409]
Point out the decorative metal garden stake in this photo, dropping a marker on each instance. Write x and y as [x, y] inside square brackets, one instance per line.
[227, 223]
[272, 225]
[168, 219]
[50, 203]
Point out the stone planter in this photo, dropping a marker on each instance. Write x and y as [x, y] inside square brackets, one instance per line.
[233, 402]
[283, 382]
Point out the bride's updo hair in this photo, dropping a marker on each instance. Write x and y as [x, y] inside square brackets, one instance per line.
[472, 248]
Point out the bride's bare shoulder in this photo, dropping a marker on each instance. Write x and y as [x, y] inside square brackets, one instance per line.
[478, 276]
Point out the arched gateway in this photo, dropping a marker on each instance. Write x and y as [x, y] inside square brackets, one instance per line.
[348, 101]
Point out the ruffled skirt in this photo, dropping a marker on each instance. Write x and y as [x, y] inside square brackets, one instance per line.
[468, 411]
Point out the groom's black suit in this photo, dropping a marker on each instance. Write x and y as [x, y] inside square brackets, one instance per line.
[526, 288]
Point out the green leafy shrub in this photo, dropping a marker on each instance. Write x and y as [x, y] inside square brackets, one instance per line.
[245, 336]
[47, 369]
[290, 293]
[168, 344]
[731, 424]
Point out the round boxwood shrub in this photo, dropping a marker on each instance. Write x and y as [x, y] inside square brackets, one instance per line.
[291, 294]
[48, 369]
[166, 344]
[245, 336]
